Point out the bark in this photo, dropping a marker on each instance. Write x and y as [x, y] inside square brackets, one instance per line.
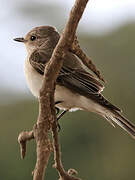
[47, 115]
[46, 121]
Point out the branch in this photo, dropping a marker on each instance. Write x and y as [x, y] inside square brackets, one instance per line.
[57, 158]
[47, 115]
[66, 42]
[44, 148]
[22, 140]
[85, 59]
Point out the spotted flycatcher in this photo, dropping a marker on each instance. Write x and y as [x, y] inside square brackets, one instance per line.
[76, 88]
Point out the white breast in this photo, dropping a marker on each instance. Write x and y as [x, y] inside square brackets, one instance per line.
[33, 78]
[34, 81]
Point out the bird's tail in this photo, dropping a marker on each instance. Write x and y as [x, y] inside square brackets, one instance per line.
[116, 117]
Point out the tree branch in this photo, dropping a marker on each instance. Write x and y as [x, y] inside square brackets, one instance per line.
[46, 121]
[85, 59]
[47, 115]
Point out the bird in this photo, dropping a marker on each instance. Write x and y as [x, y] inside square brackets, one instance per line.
[76, 87]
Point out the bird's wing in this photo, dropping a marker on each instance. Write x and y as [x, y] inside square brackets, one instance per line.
[80, 79]
[77, 76]
[82, 82]
[76, 79]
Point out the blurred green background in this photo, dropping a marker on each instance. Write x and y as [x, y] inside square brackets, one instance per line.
[89, 144]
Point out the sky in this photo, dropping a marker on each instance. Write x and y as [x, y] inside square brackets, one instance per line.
[99, 17]
[107, 14]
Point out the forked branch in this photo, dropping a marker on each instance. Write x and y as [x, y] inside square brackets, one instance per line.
[46, 121]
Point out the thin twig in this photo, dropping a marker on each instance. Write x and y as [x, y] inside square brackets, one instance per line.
[85, 59]
[22, 140]
[57, 158]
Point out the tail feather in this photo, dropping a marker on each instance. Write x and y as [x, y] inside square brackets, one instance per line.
[124, 123]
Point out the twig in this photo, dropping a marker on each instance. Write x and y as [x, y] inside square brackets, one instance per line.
[44, 149]
[85, 59]
[57, 158]
[22, 140]
[66, 41]
[47, 115]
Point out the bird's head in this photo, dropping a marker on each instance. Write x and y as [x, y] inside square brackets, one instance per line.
[40, 37]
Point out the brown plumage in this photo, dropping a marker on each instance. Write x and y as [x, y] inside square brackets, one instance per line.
[76, 87]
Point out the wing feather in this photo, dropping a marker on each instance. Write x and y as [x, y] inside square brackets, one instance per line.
[76, 79]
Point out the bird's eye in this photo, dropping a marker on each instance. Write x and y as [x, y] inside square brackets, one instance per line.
[32, 38]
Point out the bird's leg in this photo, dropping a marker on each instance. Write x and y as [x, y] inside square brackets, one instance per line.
[60, 115]
[58, 102]
[57, 110]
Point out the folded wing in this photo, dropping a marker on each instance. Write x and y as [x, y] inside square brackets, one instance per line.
[76, 79]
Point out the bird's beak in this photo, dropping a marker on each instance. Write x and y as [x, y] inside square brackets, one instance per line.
[19, 39]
